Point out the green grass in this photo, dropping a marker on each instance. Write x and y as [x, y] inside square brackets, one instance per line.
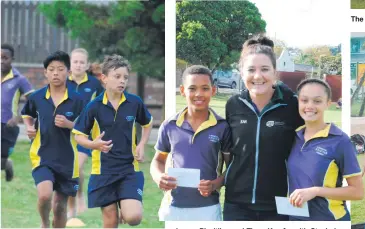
[19, 197]
[355, 108]
[358, 207]
[218, 103]
[357, 4]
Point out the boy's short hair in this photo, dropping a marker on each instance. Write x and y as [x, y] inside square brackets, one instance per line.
[8, 47]
[58, 56]
[114, 62]
[80, 50]
[197, 69]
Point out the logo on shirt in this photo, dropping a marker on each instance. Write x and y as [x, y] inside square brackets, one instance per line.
[10, 86]
[273, 123]
[213, 138]
[129, 118]
[243, 121]
[87, 89]
[140, 192]
[69, 114]
[76, 187]
[321, 151]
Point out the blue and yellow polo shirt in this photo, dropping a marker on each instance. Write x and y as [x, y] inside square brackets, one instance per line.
[119, 126]
[54, 146]
[322, 161]
[201, 149]
[89, 88]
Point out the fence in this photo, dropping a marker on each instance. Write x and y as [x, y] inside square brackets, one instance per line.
[31, 35]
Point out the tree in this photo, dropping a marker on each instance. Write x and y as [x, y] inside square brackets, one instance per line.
[133, 29]
[212, 33]
[331, 64]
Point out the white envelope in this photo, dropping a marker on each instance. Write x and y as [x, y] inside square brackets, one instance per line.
[284, 207]
[185, 177]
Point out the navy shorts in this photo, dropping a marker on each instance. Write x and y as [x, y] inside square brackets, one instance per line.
[84, 150]
[9, 136]
[62, 184]
[113, 188]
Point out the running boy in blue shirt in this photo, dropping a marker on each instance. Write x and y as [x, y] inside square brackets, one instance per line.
[53, 151]
[110, 119]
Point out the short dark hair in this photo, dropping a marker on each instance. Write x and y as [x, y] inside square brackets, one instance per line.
[57, 56]
[8, 47]
[197, 69]
[113, 62]
[315, 81]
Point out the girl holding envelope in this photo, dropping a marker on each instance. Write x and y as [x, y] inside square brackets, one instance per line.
[321, 157]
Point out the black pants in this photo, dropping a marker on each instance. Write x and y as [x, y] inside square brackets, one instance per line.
[9, 135]
[235, 212]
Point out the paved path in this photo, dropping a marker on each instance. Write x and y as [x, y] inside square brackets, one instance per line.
[358, 125]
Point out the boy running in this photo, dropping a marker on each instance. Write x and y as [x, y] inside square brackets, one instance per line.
[110, 119]
[194, 138]
[53, 151]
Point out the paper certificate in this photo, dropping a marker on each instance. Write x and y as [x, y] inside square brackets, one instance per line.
[284, 207]
[185, 177]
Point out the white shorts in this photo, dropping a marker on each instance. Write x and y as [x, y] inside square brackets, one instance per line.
[210, 213]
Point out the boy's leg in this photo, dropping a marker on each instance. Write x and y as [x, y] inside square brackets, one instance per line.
[110, 215]
[130, 194]
[80, 193]
[131, 211]
[59, 210]
[9, 136]
[79, 200]
[44, 179]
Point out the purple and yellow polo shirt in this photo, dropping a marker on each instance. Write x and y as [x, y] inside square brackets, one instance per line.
[322, 161]
[198, 150]
[12, 87]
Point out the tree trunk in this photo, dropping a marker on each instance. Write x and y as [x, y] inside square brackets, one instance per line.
[358, 88]
[362, 107]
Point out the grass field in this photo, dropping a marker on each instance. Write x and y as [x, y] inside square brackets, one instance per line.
[218, 103]
[358, 207]
[355, 109]
[19, 197]
[357, 4]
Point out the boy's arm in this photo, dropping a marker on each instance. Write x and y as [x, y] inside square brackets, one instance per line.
[29, 113]
[146, 131]
[157, 170]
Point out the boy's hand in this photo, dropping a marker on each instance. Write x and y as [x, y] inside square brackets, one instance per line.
[62, 122]
[139, 153]
[206, 187]
[12, 122]
[31, 132]
[166, 182]
[103, 146]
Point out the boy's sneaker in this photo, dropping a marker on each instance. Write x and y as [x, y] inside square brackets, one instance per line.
[9, 172]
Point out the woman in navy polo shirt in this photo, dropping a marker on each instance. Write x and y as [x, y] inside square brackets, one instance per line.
[321, 158]
[263, 119]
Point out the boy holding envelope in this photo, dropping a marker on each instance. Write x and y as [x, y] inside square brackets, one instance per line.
[195, 138]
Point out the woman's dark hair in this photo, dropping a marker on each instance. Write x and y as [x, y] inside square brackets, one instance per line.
[258, 45]
[315, 81]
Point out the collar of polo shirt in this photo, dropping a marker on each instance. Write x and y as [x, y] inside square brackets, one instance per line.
[212, 121]
[329, 129]
[85, 79]
[105, 99]
[9, 76]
